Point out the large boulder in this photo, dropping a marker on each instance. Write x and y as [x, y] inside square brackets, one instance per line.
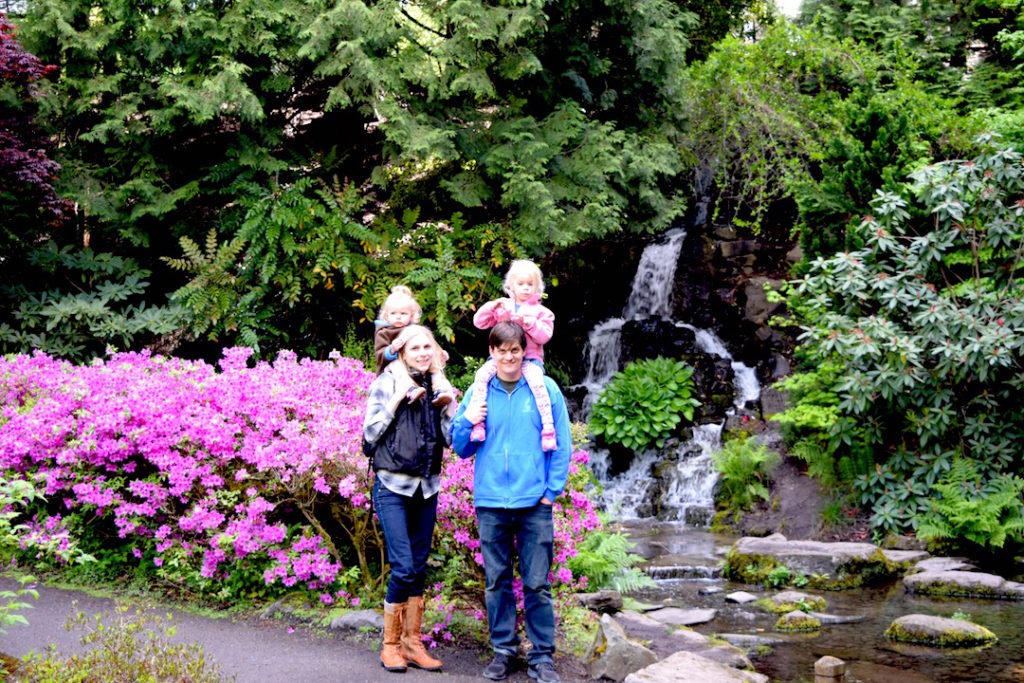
[602, 602]
[613, 655]
[826, 565]
[970, 584]
[687, 667]
[925, 629]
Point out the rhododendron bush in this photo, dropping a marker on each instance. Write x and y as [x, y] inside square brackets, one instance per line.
[210, 474]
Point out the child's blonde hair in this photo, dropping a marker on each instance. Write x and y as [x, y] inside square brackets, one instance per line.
[401, 297]
[523, 267]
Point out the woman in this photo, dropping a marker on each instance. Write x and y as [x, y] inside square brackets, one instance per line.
[406, 437]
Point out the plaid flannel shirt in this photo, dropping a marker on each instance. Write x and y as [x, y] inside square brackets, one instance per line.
[378, 417]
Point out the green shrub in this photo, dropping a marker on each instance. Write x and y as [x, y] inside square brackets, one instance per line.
[743, 471]
[643, 404]
[919, 337]
[124, 646]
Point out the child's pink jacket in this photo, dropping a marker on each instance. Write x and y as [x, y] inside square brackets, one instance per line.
[537, 320]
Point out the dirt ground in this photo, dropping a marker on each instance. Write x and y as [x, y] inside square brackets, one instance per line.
[795, 511]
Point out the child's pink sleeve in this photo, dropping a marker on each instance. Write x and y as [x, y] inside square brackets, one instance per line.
[541, 326]
[490, 314]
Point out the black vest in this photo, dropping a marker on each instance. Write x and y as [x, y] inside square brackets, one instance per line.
[413, 442]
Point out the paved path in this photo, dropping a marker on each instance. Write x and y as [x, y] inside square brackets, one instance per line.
[253, 650]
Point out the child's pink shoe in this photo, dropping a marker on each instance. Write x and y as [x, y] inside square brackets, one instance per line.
[548, 442]
[479, 432]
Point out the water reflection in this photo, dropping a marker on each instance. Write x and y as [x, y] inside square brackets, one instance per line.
[870, 656]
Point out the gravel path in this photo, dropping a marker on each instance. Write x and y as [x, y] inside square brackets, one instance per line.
[254, 650]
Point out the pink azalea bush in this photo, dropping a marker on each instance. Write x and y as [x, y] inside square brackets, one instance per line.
[209, 473]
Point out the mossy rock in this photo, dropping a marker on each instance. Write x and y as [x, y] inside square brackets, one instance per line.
[924, 629]
[752, 569]
[797, 621]
[790, 601]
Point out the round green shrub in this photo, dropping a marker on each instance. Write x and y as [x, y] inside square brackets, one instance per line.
[643, 404]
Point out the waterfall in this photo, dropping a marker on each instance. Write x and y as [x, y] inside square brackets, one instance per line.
[690, 493]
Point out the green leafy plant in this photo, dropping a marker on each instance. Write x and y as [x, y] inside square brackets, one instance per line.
[100, 301]
[988, 513]
[743, 469]
[644, 403]
[13, 496]
[605, 559]
[124, 645]
[779, 576]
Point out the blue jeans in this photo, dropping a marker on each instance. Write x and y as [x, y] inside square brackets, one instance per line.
[408, 526]
[532, 531]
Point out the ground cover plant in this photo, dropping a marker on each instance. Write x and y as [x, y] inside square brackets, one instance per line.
[238, 482]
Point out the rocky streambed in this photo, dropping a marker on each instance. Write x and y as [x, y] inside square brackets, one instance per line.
[855, 602]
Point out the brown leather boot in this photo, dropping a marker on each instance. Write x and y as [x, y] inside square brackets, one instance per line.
[412, 645]
[390, 653]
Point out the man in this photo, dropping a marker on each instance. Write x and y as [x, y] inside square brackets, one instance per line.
[514, 486]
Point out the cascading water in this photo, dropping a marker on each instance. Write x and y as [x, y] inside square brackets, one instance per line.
[690, 491]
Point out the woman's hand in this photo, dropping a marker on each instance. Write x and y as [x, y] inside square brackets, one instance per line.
[399, 341]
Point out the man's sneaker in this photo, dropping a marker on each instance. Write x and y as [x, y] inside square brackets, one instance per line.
[500, 667]
[543, 672]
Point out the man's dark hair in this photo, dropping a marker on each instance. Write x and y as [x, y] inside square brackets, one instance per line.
[506, 332]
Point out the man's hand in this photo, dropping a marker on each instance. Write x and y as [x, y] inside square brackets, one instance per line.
[545, 501]
[475, 412]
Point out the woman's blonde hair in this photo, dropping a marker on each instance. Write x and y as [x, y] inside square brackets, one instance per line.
[411, 331]
[523, 267]
[401, 297]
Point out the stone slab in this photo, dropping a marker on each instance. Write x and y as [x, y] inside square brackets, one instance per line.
[675, 616]
[686, 667]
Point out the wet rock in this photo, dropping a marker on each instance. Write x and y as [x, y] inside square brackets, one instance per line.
[613, 655]
[773, 401]
[757, 308]
[602, 602]
[970, 584]
[740, 597]
[661, 639]
[727, 654]
[904, 557]
[836, 618]
[749, 641]
[710, 590]
[797, 621]
[360, 619]
[830, 668]
[827, 565]
[925, 629]
[286, 606]
[787, 601]
[686, 667]
[943, 564]
[674, 616]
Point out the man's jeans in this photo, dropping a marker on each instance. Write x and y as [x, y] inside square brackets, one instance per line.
[408, 525]
[533, 532]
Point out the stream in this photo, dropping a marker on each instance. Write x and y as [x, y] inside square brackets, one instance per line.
[684, 562]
